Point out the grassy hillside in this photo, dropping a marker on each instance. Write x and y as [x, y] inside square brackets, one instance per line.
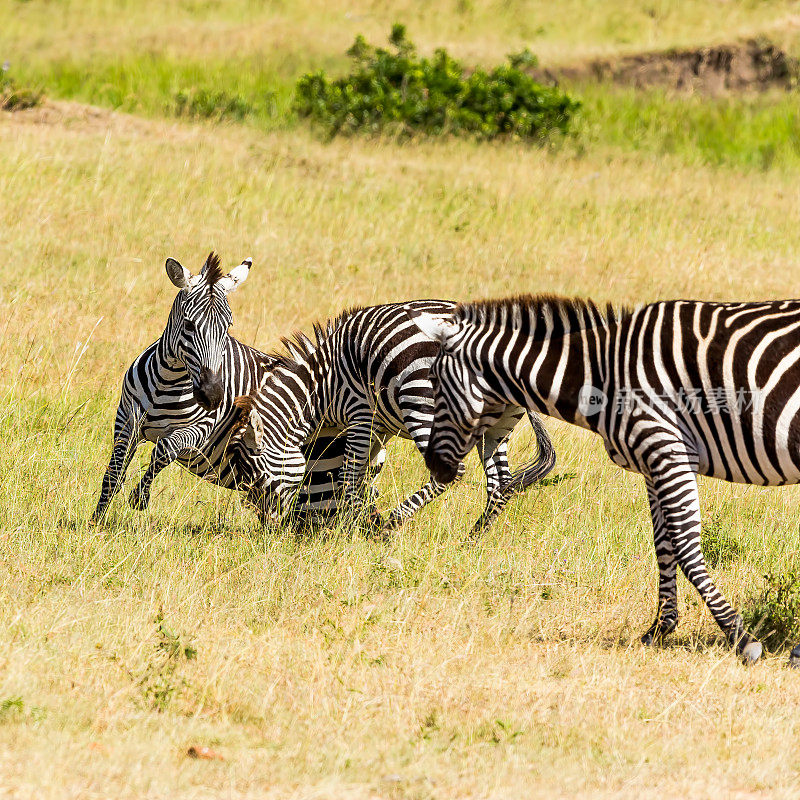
[428, 667]
[420, 668]
[310, 30]
[142, 57]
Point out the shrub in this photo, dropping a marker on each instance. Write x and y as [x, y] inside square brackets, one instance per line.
[162, 679]
[206, 104]
[775, 615]
[399, 90]
[14, 98]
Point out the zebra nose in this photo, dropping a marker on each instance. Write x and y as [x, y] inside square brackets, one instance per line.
[440, 469]
[208, 391]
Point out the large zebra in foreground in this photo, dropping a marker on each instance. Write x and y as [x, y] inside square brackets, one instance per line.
[674, 388]
[179, 394]
[367, 372]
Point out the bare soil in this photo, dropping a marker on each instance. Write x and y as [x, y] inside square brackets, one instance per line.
[751, 65]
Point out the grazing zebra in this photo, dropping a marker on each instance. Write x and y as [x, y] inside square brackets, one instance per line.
[179, 394]
[366, 372]
[675, 389]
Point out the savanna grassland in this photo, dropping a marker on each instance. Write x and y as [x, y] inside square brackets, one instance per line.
[337, 666]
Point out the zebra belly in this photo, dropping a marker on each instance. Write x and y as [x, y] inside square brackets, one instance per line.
[712, 451]
[788, 478]
[748, 450]
[153, 429]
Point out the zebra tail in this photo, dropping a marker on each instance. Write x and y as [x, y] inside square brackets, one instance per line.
[542, 465]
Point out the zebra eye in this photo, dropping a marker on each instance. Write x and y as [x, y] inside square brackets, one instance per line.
[189, 326]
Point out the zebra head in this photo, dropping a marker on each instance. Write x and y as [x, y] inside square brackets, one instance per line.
[267, 466]
[197, 330]
[464, 404]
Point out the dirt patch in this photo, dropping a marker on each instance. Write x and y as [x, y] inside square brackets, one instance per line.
[71, 115]
[752, 65]
[52, 112]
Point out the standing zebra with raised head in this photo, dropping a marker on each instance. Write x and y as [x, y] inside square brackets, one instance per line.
[179, 394]
[675, 389]
[367, 372]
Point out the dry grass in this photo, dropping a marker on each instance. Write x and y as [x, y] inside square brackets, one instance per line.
[338, 667]
[309, 31]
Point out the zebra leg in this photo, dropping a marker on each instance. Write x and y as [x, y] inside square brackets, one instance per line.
[493, 452]
[678, 500]
[359, 446]
[667, 614]
[126, 439]
[414, 502]
[494, 456]
[164, 453]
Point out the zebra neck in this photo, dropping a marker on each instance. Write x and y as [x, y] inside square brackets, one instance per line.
[165, 368]
[323, 389]
[569, 375]
[287, 401]
[549, 374]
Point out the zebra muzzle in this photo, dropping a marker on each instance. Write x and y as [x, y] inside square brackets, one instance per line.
[440, 469]
[208, 391]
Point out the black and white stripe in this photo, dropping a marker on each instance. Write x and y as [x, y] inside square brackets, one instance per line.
[675, 389]
[367, 372]
[179, 395]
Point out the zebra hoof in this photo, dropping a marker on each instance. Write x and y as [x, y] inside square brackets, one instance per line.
[392, 523]
[657, 631]
[751, 652]
[139, 500]
[794, 658]
[375, 526]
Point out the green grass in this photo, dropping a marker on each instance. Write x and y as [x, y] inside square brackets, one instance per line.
[151, 85]
[750, 132]
[745, 132]
[240, 61]
[338, 666]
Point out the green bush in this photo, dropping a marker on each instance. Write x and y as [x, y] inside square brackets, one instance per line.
[206, 104]
[400, 90]
[12, 97]
[775, 615]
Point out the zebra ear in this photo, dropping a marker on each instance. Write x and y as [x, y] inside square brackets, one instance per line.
[254, 433]
[438, 329]
[237, 276]
[178, 274]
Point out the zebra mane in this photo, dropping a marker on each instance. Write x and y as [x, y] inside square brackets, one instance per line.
[212, 270]
[487, 311]
[300, 346]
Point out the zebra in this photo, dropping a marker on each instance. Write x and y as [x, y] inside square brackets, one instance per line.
[675, 389]
[366, 371]
[179, 394]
